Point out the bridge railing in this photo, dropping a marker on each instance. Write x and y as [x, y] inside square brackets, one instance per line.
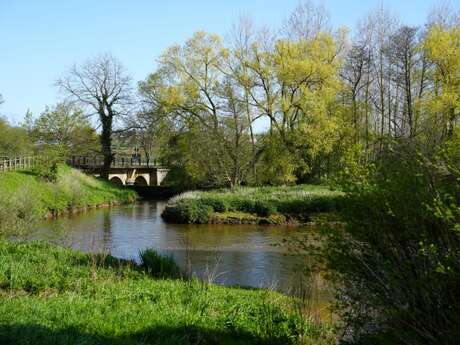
[87, 162]
[79, 162]
[18, 163]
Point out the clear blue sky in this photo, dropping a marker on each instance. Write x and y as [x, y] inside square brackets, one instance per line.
[40, 40]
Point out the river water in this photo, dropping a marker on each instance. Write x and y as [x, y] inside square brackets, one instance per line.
[245, 255]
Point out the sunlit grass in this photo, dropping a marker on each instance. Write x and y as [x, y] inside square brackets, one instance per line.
[51, 295]
[25, 197]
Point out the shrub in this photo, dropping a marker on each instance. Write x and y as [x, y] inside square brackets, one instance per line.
[218, 205]
[396, 259]
[262, 208]
[188, 211]
[47, 167]
[158, 265]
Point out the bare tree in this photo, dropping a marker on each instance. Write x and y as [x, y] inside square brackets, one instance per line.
[444, 15]
[354, 74]
[307, 21]
[403, 53]
[102, 86]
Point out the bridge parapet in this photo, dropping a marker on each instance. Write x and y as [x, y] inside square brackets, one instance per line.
[87, 162]
[123, 170]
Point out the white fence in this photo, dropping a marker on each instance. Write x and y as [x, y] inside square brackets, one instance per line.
[18, 163]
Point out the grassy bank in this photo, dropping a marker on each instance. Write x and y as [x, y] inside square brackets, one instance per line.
[26, 197]
[51, 295]
[261, 205]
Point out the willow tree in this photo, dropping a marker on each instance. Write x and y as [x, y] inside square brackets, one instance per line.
[294, 85]
[103, 88]
[442, 47]
[193, 88]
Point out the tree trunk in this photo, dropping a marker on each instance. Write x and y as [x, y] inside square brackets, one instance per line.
[106, 144]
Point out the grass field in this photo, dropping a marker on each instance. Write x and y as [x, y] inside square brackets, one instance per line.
[51, 295]
[26, 197]
[269, 205]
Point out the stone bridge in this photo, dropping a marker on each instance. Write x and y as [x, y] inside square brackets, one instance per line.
[124, 171]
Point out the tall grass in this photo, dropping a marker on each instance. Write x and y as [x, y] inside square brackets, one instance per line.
[159, 265]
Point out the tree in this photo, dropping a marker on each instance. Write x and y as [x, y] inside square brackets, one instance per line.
[193, 88]
[14, 141]
[307, 21]
[354, 75]
[442, 47]
[294, 85]
[101, 86]
[66, 128]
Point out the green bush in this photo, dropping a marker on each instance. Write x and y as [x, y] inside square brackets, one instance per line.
[218, 205]
[396, 259]
[318, 204]
[158, 265]
[188, 211]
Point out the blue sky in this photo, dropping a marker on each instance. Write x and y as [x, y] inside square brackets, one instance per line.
[40, 40]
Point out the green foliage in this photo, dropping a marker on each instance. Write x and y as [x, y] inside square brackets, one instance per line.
[188, 212]
[51, 295]
[276, 165]
[47, 166]
[158, 265]
[298, 202]
[18, 211]
[395, 260]
[14, 141]
[66, 129]
[26, 197]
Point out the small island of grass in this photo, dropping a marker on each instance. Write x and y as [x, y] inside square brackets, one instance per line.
[252, 205]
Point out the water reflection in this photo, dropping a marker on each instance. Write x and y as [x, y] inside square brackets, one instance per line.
[245, 255]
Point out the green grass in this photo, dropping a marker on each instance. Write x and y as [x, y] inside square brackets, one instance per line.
[52, 295]
[25, 197]
[269, 205]
[158, 265]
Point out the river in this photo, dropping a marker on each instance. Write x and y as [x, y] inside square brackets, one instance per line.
[245, 255]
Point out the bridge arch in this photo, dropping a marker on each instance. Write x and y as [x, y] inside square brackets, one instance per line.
[116, 180]
[141, 181]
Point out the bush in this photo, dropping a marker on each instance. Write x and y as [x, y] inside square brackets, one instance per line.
[262, 208]
[317, 204]
[188, 211]
[158, 265]
[218, 205]
[47, 167]
[396, 260]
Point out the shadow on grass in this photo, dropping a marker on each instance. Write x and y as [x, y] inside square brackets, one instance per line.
[22, 334]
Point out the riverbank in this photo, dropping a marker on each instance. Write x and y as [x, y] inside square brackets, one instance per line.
[26, 197]
[54, 295]
[257, 205]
